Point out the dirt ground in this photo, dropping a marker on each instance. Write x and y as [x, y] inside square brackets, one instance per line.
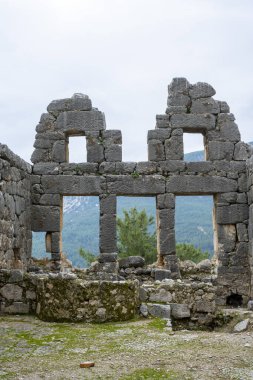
[143, 349]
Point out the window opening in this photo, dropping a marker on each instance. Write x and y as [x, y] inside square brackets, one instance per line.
[39, 247]
[80, 228]
[194, 225]
[77, 151]
[138, 238]
[194, 149]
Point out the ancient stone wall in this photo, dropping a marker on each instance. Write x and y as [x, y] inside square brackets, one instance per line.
[15, 210]
[190, 109]
[250, 229]
[31, 197]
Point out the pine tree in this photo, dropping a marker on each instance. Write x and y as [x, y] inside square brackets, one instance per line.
[134, 238]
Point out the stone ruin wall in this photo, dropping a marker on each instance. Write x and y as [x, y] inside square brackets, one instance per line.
[225, 174]
[15, 210]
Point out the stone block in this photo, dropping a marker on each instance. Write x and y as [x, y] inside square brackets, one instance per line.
[174, 148]
[20, 205]
[162, 274]
[113, 153]
[108, 267]
[50, 200]
[232, 166]
[205, 306]
[201, 90]
[242, 151]
[46, 168]
[240, 257]
[228, 128]
[165, 218]
[139, 185]
[108, 204]
[159, 311]
[132, 262]
[108, 238]
[204, 266]
[17, 308]
[112, 136]
[242, 183]
[193, 123]
[172, 166]
[171, 263]
[46, 123]
[73, 185]
[78, 122]
[95, 152]
[11, 292]
[43, 143]
[179, 85]
[40, 155]
[177, 99]
[16, 275]
[46, 218]
[224, 107]
[199, 167]
[56, 242]
[217, 150]
[241, 326]
[166, 244]
[144, 310]
[190, 184]
[180, 311]
[51, 135]
[170, 110]
[226, 237]
[160, 294]
[165, 201]
[159, 134]
[232, 214]
[242, 232]
[156, 150]
[205, 105]
[162, 121]
[59, 152]
[146, 167]
[107, 257]
[242, 198]
[78, 102]
[124, 168]
[227, 198]
[80, 169]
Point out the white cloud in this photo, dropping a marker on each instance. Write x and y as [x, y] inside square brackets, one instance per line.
[122, 53]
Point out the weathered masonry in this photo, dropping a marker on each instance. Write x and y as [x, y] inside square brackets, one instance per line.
[31, 196]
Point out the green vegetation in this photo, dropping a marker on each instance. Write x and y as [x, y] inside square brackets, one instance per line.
[134, 238]
[189, 252]
[150, 374]
[88, 256]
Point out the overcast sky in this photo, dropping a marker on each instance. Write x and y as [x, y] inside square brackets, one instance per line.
[123, 54]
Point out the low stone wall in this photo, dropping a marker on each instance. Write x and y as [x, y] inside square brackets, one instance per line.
[192, 301]
[15, 210]
[17, 292]
[72, 299]
[64, 297]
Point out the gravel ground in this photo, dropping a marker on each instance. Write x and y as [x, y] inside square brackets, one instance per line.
[143, 349]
